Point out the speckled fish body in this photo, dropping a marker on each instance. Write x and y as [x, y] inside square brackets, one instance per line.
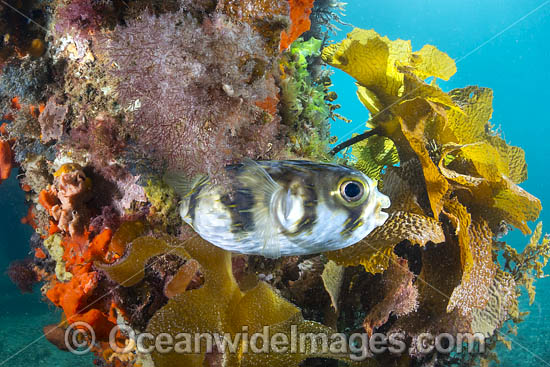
[280, 208]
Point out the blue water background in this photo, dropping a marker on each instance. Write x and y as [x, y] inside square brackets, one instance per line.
[502, 45]
[515, 65]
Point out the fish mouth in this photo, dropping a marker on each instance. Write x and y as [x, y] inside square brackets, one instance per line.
[383, 202]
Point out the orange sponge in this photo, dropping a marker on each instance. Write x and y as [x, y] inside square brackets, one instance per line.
[6, 160]
[300, 11]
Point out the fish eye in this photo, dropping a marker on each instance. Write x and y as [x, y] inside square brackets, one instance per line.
[352, 190]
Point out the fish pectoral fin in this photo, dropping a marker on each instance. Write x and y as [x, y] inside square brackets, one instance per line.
[267, 229]
[264, 189]
[182, 184]
[255, 178]
[271, 248]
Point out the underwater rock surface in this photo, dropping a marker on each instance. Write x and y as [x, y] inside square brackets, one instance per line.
[97, 106]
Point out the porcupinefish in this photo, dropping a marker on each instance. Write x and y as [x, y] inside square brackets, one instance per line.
[281, 208]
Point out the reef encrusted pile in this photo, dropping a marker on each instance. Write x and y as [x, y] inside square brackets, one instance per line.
[99, 103]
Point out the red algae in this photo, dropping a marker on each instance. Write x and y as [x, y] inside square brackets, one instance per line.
[207, 117]
[21, 274]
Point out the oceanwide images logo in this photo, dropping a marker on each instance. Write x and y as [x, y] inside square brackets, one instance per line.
[80, 337]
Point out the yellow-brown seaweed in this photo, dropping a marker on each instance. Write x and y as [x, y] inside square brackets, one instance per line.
[468, 174]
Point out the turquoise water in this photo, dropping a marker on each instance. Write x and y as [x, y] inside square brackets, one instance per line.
[22, 316]
[500, 45]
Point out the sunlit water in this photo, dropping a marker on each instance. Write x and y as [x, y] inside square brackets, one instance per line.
[499, 45]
